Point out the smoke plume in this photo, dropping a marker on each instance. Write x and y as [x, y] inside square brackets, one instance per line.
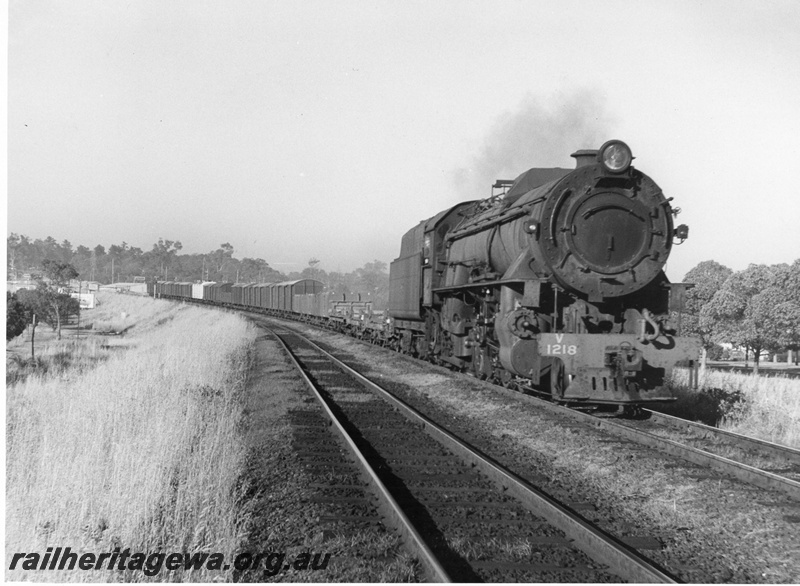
[536, 135]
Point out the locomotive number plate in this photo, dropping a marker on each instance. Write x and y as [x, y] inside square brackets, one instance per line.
[560, 350]
[558, 345]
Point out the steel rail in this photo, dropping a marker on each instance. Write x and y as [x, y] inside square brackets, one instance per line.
[604, 548]
[743, 441]
[743, 472]
[386, 503]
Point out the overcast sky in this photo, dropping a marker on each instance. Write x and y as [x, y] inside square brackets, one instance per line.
[328, 129]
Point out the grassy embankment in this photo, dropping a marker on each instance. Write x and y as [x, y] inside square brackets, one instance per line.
[129, 441]
[764, 407]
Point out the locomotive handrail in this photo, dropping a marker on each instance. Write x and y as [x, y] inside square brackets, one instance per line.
[511, 214]
[479, 284]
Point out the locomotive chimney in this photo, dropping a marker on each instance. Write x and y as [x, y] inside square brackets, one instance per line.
[584, 157]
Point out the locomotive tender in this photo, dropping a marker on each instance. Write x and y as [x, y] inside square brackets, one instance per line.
[555, 286]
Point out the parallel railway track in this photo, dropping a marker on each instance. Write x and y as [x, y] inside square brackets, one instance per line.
[753, 461]
[742, 441]
[778, 468]
[759, 462]
[463, 515]
[499, 570]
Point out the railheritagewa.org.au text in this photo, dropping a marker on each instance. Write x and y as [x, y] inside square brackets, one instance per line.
[150, 564]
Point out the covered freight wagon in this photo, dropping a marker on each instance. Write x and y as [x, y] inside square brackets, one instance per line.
[247, 295]
[283, 293]
[183, 290]
[311, 304]
[237, 293]
[218, 292]
[198, 288]
[264, 295]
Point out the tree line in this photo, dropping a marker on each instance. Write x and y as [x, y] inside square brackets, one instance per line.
[757, 309]
[123, 262]
[164, 262]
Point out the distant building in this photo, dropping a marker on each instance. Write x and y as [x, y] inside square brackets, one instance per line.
[86, 300]
[14, 286]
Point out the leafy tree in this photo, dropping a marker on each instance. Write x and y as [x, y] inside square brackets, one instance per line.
[757, 308]
[165, 251]
[60, 305]
[22, 254]
[708, 277]
[45, 304]
[784, 294]
[341, 283]
[218, 260]
[60, 273]
[373, 279]
[13, 253]
[16, 316]
[32, 306]
[257, 270]
[312, 271]
[66, 251]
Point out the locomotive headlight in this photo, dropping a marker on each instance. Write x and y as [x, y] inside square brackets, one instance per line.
[616, 156]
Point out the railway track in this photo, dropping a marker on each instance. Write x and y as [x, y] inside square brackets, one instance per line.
[749, 460]
[755, 462]
[779, 465]
[463, 515]
[750, 444]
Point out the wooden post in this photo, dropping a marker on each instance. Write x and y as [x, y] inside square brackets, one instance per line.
[33, 335]
[58, 319]
[80, 288]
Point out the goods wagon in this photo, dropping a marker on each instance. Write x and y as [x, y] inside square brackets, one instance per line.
[197, 289]
[218, 293]
[237, 293]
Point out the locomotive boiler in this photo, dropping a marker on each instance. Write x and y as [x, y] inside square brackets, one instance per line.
[555, 286]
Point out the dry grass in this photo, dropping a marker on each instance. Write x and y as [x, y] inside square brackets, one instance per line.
[764, 407]
[135, 448]
[80, 348]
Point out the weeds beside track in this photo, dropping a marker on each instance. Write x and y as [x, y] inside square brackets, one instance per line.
[766, 408]
[137, 449]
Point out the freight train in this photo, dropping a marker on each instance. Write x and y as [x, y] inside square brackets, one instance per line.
[304, 299]
[554, 285]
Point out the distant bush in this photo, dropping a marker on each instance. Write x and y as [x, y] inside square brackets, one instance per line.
[16, 316]
[706, 405]
[716, 352]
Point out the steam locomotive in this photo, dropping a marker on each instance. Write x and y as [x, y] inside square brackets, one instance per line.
[553, 286]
